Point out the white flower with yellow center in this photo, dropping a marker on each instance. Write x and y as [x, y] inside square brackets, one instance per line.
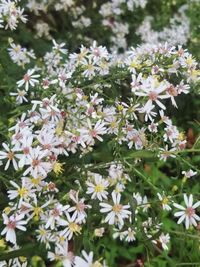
[98, 187]
[117, 212]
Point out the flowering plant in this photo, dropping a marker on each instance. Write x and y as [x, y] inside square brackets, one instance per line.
[96, 169]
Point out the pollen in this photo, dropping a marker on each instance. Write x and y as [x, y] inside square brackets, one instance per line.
[96, 264]
[181, 136]
[74, 227]
[117, 208]
[165, 201]
[10, 155]
[58, 168]
[22, 191]
[36, 181]
[37, 211]
[99, 188]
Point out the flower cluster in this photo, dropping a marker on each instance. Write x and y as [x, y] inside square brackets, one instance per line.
[89, 154]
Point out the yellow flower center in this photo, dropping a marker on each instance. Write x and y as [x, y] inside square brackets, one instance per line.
[113, 124]
[42, 232]
[10, 155]
[58, 168]
[165, 201]
[37, 211]
[36, 181]
[99, 188]
[22, 191]
[117, 208]
[74, 227]
[96, 264]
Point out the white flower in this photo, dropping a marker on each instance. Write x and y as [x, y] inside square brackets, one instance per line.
[12, 222]
[165, 201]
[23, 193]
[29, 79]
[10, 155]
[189, 173]
[87, 261]
[93, 132]
[117, 212]
[79, 208]
[59, 47]
[55, 216]
[25, 147]
[72, 226]
[187, 213]
[152, 89]
[37, 164]
[20, 96]
[129, 235]
[164, 240]
[98, 187]
[62, 253]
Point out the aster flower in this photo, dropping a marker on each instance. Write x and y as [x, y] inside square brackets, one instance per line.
[29, 79]
[9, 154]
[116, 212]
[13, 222]
[189, 173]
[98, 187]
[187, 213]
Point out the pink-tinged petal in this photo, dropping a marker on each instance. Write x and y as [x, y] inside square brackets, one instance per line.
[192, 220]
[196, 217]
[190, 200]
[178, 206]
[104, 210]
[187, 222]
[105, 205]
[20, 227]
[179, 213]
[181, 219]
[118, 198]
[7, 165]
[4, 231]
[11, 236]
[186, 200]
[196, 205]
[6, 147]
[5, 218]
[160, 104]
[114, 197]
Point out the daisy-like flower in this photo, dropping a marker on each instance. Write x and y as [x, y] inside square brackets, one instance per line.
[164, 240]
[24, 193]
[13, 222]
[98, 187]
[28, 79]
[62, 253]
[164, 201]
[59, 47]
[154, 90]
[72, 226]
[87, 260]
[187, 213]
[10, 155]
[130, 235]
[37, 164]
[20, 96]
[25, 147]
[80, 207]
[189, 173]
[93, 132]
[117, 212]
[55, 216]
[165, 153]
